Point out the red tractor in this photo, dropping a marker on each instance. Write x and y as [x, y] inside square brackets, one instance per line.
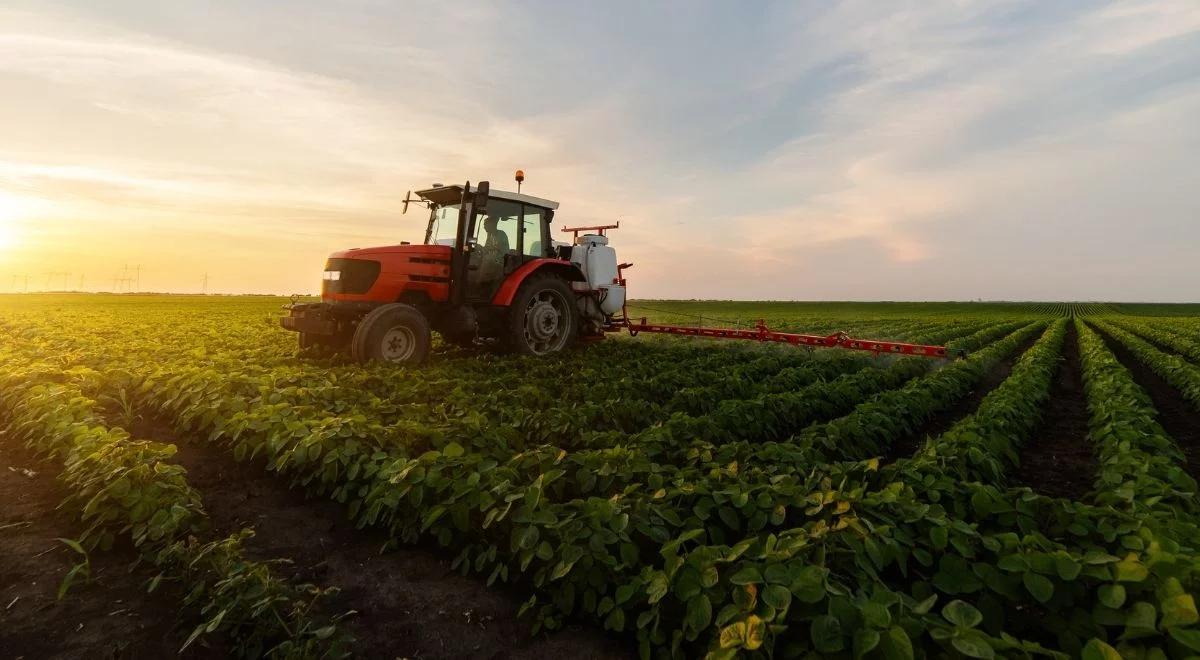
[487, 271]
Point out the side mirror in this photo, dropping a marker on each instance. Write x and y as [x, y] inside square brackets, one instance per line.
[407, 199]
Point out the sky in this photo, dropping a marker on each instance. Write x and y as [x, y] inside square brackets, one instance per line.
[794, 150]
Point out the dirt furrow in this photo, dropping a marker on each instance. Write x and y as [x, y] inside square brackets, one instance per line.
[1175, 414]
[941, 422]
[109, 616]
[408, 601]
[1058, 460]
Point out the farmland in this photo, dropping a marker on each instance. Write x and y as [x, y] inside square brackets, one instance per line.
[660, 496]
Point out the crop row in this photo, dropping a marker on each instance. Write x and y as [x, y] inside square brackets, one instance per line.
[1181, 374]
[130, 488]
[1140, 465]
[1162, 334]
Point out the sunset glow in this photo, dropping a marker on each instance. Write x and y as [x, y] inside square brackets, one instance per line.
[836, 151]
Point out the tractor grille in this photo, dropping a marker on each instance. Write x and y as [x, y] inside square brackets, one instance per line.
[357, 276]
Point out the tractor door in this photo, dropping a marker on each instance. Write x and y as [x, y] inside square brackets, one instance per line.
[506, 235]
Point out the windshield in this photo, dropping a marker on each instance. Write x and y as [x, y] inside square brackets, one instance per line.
[443, 225]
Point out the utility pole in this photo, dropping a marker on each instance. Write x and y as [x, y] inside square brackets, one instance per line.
[204, 290]
[138, 286]
[81, 281]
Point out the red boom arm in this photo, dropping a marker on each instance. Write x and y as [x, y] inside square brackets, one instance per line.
[762, 333]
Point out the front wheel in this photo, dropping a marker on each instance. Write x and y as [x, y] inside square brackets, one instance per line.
[392, 333]
[543, 317]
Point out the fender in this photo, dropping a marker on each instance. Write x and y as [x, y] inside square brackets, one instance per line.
[560, 267]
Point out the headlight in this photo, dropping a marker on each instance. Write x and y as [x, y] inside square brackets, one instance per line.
[332, 275]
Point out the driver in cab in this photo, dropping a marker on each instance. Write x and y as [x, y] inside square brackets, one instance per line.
[491, 255]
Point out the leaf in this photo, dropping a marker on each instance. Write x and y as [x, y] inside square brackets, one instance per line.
[1068, 568]
[962, 614]
[326, 632]
[733, 636]
[876, 615]
[748, 575]
[1039, 586]
[1189, 637]
[1130, 570]
[777, 596]
[865, 641]
[452, 450]
[1112, 595]
[973, 645]
[699, 613]
[1140, 620]
[826, 633]
[809, 586]
[895, 644]
[74, 545]
[615, 620]
[925, 605]
[1098, 650]
[756, 632]
[1179, 611]
[657, 587]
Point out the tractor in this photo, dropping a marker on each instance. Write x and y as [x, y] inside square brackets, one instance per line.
[489, 271]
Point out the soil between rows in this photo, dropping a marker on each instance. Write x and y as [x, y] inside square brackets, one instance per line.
[111, 617]
[408, 601]
[941, 422]
[1175, 414]
[1058, 460]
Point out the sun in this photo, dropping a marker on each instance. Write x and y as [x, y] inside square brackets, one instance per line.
[12, 210]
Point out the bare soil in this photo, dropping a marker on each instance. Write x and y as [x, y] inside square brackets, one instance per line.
[408, 602]
[1175, 414]
[1058, 460]
[111, 616]
[941, 422]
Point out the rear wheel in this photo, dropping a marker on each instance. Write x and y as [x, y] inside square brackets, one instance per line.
[543, 317]
[392, 333]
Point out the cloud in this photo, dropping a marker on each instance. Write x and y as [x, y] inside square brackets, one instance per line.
[773, 151]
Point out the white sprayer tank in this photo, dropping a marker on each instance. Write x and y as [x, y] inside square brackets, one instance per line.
[598, 262]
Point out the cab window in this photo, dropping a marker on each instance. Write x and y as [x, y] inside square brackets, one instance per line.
[531, 220]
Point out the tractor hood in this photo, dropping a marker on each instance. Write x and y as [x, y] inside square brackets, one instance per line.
[393, 251]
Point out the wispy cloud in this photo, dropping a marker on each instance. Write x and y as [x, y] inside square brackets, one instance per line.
[787, 151]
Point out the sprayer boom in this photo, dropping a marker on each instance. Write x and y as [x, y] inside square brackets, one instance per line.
[762, 333]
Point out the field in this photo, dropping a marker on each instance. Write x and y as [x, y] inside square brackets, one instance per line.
[215, 491]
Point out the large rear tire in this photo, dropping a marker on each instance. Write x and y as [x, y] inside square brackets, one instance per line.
[392, 333]
[543, 317]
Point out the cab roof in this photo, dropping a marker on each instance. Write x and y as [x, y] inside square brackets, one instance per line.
[443, 195]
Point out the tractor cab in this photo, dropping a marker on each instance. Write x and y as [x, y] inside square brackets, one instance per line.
[501, 234]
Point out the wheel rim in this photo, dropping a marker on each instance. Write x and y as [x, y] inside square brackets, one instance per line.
[398, 344]
[547, 321]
